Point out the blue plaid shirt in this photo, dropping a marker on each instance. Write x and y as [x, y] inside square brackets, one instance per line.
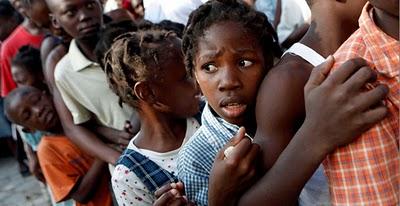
[196, 158]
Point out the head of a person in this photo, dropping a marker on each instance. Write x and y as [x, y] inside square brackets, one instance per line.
[18, 6]
[26, 68]
[229, 47]
[146, 70]
[31, 108]
[108, 34]
[172, 26]
[9, 19]
[391, 7]
[38, 12]
[81, 19]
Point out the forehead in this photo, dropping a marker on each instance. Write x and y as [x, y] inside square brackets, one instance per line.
[228, 34]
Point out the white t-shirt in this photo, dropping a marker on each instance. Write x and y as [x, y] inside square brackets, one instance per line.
[128, 188]
[173, 10]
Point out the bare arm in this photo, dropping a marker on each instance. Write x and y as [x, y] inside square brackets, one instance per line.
[87, 186]
[81, 136]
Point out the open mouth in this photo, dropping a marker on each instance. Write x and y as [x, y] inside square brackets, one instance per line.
[233, 110]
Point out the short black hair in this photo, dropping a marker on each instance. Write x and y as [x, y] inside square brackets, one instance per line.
[134, 57]
[215, 11]
[8, 11]
[107, 36]
[172, 26]
[18, 92]
[28, 58]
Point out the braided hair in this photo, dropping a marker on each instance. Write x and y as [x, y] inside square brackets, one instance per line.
[134, 57]
[215, 11]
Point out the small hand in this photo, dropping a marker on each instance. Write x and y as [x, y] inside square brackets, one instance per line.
[172, 195]
[233, 171]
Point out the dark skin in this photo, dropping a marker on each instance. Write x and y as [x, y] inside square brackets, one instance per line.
[386, 16]
[281, 96]
[166, 103]
[36, 112]
[82, 21]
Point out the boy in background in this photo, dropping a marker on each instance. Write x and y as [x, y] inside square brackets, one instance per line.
[70, 173]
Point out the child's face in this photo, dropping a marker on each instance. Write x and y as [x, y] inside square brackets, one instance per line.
[229, 66]
[22, 77]
[176, 89]
[81, 19]
[38, 12]
[34, 110]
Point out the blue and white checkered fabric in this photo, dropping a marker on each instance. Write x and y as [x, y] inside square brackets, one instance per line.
[196, 158]
[150, 173]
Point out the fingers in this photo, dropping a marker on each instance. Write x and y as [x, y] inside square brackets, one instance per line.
[360, 78]
[372, 97]
[162, 190]
[169, 197]
[319, 73]
[375, 115]
[345, 70]
[240, 150]
[232, 142]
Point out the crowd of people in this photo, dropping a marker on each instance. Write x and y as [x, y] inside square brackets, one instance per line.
[219, 102]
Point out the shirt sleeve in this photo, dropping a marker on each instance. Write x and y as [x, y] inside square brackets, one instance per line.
[79, 113]
[128, 189]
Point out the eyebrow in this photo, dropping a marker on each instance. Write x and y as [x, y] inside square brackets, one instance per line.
[213, 54]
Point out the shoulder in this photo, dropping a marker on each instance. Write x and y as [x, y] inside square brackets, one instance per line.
[62, 68]
[47, 148]
[353, 47]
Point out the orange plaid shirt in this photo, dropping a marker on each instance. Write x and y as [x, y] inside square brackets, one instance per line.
[367, 172]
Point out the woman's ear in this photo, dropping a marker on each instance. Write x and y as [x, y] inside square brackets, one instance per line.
[54, 21]
[143, 92]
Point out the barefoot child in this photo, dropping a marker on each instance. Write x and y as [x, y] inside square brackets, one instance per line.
[69, 172]
[146, 70]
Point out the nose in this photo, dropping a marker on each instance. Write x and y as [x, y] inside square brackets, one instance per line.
[229, 80]
[37, 110]
[84, 14]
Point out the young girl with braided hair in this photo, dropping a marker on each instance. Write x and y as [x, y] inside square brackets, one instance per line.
[146, 70]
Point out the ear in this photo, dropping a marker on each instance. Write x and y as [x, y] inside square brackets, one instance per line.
[54, 21]
[143, 92]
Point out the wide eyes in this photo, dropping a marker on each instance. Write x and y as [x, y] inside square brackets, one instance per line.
[209, 68]
[245, 63]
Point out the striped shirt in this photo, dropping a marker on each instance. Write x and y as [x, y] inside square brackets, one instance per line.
[367, 172]
[197, 157]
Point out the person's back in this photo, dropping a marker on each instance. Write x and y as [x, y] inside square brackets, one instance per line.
[367, 172]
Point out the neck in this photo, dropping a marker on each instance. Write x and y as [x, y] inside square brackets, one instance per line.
[87, 47]
[387, 22]
[31, 27]
[160, 132]
[327, 33]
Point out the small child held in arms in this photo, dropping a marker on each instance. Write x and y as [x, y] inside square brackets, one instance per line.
[70, 173]
[146, 70]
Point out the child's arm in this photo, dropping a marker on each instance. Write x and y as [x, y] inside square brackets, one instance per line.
[87, 185]
[34, 166]
[81, 136]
